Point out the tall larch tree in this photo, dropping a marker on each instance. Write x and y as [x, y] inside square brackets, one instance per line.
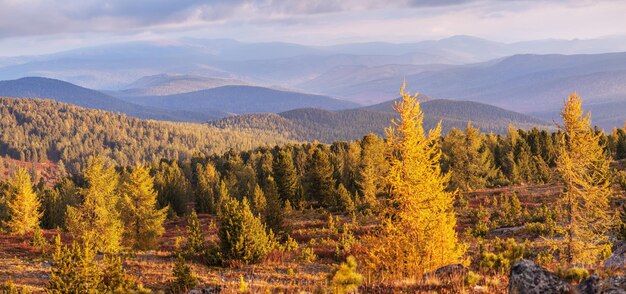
[22, 204]
[143, 222]
[417, 231]
[585, 174]
[97, 220]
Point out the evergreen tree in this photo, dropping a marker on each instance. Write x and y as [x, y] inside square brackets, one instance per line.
[195, 238]
[585, 175]
[184, 278]
[285, 176]
[345, 203]
[172, 187]
[259, 202]
[468, 160]
[320, 184]
[345, 278]
[417, 233]
[74, 269]
[242, 235]
[22, 204]
[97, 219]
[208, 178]
[143, 222]
[274, 212]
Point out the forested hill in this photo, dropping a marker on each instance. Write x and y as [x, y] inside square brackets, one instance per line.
[38, 87]
[310, 124]
[39, 130]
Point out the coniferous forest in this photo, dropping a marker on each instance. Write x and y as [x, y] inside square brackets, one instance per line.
[136, 206]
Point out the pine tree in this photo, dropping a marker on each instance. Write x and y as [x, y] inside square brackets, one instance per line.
[285, 176]
[417, 231]
[172, 187]
[274, 211]
[97, 219]
[184, 278]
[259, 202]
[345, 203]
[74, 269]
[345, 278]
[208, 178]
[320, 184]
[242, 235]
[367, 183]
[467, 158]
[143, 222]
[195, 238]
[584, 172]
[22, 204]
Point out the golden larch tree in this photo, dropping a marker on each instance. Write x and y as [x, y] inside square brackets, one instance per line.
[417, 231]
[585, 174]
[97, 220]
[22, 204]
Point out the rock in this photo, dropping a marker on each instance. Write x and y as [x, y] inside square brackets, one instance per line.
[614, 285]
[528, 278]
[618, 258]
[451, 271]
[590, 285]
[505, 231]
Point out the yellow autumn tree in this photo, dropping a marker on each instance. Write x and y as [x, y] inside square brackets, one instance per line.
[22, 204]
[585, 174]
[417, 230]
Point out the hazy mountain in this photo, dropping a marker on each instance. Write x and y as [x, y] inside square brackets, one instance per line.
[113, 66]
[327, 126]
[36, 87]
[168, 84]
[524, 83]
[242, 99]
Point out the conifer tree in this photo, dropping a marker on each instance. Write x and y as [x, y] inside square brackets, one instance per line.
[417, 231]
[320, 184]
[172, 187]
[584, 172]
[184, 277]
[143, 222]
[195, 238]
[242, 235]
[97, 219]
[22, 204]
[468, 160]
[74, 269]
[274, 210]
[208, 179]
[259, 202]
[345, 203]
[366, 182]
[285, 176]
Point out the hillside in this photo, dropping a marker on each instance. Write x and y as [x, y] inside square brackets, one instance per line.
[242, 99]
[36, 130]
[37, 87]
[327, 126]
[168, 84]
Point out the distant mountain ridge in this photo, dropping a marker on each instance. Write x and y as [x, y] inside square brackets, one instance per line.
[169, 84]
[241, 100]
[327, 126]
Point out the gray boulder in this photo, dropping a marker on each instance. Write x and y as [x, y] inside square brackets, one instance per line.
[618, 258]
[528, 278]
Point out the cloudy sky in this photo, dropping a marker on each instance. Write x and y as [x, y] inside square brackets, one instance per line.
[43, 26]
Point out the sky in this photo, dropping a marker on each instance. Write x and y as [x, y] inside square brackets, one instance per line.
[31, 27]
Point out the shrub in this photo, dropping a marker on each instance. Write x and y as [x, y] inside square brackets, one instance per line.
[576, 274]
[345, 279]
[503, 255]
[184, 278]
[307, 255]
[472, 279]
